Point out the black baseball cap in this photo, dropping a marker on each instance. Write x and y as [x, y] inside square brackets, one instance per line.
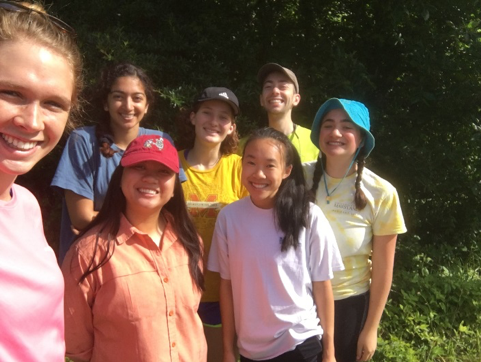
[221, 94]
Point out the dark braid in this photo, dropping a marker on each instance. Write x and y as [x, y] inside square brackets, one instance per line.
[317, 176]
[359, 197]
[103, 134]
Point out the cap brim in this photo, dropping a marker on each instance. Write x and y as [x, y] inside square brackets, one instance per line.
[234, 106]
[275, 68]
[133, 159]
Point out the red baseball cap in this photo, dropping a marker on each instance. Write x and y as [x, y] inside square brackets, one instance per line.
[151, 148]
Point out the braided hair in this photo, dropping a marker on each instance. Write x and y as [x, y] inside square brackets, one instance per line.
[360, 199]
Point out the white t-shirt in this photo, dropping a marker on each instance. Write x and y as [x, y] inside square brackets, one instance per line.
[274, 309]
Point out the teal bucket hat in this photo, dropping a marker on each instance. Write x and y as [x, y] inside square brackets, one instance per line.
[356, 111]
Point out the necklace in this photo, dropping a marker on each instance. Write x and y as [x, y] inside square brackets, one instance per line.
[205, 167]
[328, 194]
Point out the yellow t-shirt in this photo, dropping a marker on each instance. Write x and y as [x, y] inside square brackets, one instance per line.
[206, 193]
[300, 139]
[354, 228]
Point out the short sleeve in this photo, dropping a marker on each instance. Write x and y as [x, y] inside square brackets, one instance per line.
[76, 168]
[309, 168]
[389, 218]
[242, 191]
[219, 251]
[324, 255]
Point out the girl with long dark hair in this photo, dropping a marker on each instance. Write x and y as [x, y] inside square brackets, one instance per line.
[133, 279]
[276, 253]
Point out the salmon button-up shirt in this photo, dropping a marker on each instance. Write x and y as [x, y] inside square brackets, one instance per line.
[140, 306]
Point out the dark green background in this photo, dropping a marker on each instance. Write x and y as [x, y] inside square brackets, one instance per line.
[415, 64]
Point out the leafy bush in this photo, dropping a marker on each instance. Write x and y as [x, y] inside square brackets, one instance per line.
[434, 311]
[416, 66]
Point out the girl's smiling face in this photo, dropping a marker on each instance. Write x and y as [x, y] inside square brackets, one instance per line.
[339, 136]
[147, 186]
[36, 89]
[263, 170]
[126, 103]
[213, 121]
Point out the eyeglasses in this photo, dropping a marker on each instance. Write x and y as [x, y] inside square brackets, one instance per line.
[16, 7]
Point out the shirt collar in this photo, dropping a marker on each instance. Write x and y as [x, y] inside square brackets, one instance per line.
[127, 230]
[294, 132]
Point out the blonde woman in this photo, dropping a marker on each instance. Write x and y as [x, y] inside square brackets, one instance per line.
[40, 78]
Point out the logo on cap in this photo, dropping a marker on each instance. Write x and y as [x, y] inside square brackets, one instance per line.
[224, 94]
[159, 143]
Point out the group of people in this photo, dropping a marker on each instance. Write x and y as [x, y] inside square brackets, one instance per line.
[275, 247]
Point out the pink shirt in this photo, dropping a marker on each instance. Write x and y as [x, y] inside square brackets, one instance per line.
[140, 306]
[31, 285]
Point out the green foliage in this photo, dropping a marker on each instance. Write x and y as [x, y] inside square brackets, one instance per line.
[415, 64]
[434, 312]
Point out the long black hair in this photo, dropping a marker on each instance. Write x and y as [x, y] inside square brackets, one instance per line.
[110, 214]
[291, 209]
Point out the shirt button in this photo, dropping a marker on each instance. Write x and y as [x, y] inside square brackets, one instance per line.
[171, 313]
[173, 344]
[166, 280]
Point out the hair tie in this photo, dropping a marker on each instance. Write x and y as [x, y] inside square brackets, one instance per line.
[106, 138]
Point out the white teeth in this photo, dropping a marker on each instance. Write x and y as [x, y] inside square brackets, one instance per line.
[128, 116]
[148, 191]
[259, 186]
[16, 143]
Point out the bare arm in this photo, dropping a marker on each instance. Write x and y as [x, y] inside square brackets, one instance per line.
[228, 322]
[80, 209]
[322, 292]
[383, 248]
